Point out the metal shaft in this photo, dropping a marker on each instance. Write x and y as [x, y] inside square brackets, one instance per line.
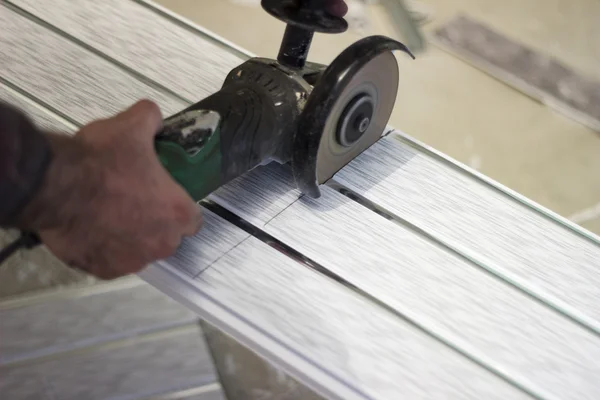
[294, 46]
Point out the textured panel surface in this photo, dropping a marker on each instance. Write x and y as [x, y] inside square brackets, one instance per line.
[462, 302]
[372, 351]
[256, 202]
[124, 371]
[64, 324]
[40, 116]
[445, 294]
[481, 222]
[211, 243]
[72, 80]
[127, 31]
[175, 362]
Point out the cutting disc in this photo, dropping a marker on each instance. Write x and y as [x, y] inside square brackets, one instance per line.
[346, 112]
[359, 116]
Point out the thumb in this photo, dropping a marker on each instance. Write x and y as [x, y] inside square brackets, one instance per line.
[144, 118]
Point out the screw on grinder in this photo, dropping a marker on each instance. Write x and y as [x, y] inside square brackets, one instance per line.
[315, 117]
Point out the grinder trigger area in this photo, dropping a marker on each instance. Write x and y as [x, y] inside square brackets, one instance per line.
[315, 117]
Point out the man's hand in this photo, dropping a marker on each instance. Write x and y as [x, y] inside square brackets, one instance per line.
[107, 205]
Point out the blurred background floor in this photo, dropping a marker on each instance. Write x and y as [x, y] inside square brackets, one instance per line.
[458, 109]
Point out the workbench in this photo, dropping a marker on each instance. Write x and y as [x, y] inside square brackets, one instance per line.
[412, 277]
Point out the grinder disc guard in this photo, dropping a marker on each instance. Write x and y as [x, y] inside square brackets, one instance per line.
[374, 88]
[346, 112]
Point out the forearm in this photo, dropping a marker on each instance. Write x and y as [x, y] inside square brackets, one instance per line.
[25, 157]
[66, 186]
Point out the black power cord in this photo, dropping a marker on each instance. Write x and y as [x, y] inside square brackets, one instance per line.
[25, 241]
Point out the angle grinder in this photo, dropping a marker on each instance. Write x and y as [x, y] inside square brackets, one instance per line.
[317, 118]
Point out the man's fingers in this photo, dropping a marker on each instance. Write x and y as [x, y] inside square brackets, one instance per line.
[142, 120]
[187, 215]
[144, 117]
[195, 222]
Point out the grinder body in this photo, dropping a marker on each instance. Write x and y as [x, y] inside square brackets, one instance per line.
[249, 122]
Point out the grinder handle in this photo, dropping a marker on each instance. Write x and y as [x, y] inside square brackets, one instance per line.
[244, 136]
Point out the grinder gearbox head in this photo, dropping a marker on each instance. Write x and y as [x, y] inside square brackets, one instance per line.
[346, 112]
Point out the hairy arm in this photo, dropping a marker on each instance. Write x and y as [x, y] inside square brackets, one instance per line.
[101, 201]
